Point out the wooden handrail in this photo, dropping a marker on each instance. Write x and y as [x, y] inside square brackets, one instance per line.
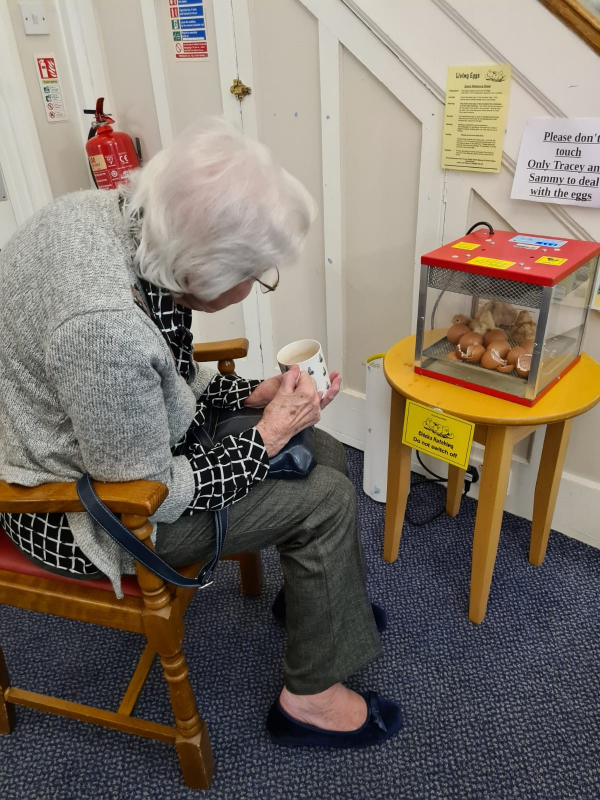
[226, 350]
[132, 497]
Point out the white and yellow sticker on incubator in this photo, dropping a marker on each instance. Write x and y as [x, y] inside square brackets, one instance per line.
[466, 246]
[494, 263]
[555, 262]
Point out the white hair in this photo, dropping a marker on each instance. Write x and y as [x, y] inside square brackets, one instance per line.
[216, 209]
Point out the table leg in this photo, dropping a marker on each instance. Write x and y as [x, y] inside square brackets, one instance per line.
[492, 492]
[554, 451]
[456, 485]
[398, 485]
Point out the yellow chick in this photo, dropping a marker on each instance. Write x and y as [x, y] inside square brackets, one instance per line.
[484, 324]
[503, 313]
[460, 319]
[523, 328]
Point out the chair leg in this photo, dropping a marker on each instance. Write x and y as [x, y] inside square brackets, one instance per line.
[163, 624]
[251, 573]
[192, 740]
[7, 710]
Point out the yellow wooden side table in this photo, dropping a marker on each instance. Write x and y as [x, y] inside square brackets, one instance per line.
[499, 425]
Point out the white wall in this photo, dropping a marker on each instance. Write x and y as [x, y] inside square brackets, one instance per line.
[128, 71]
[65, 158]
[193, 90]
[381, 145]
[8, 223]
[285, 49]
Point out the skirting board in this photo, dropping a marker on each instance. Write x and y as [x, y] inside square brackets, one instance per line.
[577, 507]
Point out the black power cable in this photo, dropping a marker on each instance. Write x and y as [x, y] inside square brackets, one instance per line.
[424, 482]
[477, 224]
[472, 477]
[443, 292]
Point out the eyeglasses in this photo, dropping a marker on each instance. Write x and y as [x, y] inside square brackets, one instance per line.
[269, 280]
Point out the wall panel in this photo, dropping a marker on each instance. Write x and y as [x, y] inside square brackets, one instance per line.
[64, 155]
[285, 53]
[128, 71]
[381, 144]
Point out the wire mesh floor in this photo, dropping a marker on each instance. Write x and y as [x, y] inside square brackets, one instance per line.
[556, 346]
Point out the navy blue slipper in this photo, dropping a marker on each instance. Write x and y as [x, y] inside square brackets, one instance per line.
[384, 720]
[278, 609]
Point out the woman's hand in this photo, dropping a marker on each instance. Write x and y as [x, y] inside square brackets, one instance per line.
[266, 391]
[336, 384]
[296, 406]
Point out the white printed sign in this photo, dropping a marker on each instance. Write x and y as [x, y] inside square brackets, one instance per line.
[559, 162]
[188, 29]
[52, 95]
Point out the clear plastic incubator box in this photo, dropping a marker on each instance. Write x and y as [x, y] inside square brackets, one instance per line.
[504, 313]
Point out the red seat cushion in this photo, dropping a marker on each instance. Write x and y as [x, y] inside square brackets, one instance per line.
[13, 560]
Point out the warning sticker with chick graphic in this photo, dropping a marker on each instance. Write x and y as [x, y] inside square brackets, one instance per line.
[437, 434]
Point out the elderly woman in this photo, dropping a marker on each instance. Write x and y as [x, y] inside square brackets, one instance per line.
[97, 375]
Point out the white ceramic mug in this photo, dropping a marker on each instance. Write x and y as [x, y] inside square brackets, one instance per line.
[308, 354]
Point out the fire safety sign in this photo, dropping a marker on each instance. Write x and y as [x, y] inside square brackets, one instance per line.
[188, 29]
[54, 102]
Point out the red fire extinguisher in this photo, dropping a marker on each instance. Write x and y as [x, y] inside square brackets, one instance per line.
[112, 154]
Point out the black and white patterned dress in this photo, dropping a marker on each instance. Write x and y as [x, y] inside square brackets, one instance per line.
[222, 474]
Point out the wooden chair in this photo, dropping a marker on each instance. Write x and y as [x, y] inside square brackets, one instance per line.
[150, 607]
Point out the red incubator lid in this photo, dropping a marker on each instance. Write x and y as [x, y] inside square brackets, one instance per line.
[540, 260]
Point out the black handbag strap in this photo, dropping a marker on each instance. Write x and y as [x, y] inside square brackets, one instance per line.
[140, 552]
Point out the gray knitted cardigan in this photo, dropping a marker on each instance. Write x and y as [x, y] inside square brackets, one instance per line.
[87, 381]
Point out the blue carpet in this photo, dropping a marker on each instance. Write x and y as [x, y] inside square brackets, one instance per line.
[508, 709]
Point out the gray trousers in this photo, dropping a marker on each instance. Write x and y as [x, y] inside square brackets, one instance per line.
[331, 632]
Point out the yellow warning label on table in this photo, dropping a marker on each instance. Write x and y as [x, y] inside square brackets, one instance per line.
[438, 434]
[466, 246]
[495, 263]
[556, 262]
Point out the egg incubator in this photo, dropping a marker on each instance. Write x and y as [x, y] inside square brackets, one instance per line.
[504, 313]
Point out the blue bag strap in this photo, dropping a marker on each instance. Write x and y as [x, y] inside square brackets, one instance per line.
[113, 526]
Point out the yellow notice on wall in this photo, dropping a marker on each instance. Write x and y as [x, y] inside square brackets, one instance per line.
[475, 117]
[438, 434]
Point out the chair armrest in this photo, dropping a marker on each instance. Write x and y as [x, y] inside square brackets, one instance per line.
[141, 498]
[229, 349]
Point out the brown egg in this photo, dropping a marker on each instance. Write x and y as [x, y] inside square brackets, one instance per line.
[452, 356]
[495, 335]
[491, 360]
[514, 354]
[469, 338]
[455, 333]
[527, 345]
[524, 365]
[474, 353]
[500, 347]
[506, 368]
